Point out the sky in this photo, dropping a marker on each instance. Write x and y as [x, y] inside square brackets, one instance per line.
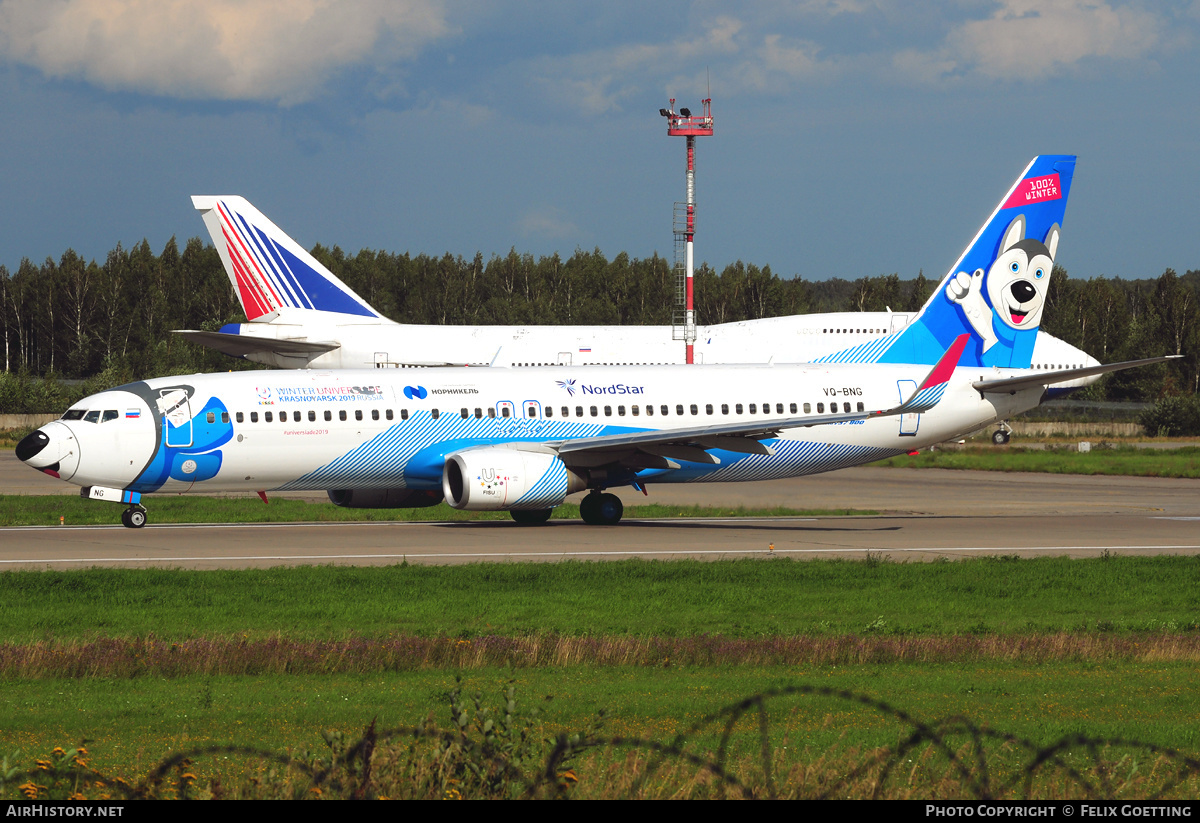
[852, 138]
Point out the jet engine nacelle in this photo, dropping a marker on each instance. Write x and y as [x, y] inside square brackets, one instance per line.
[384, 498]
[489, 479]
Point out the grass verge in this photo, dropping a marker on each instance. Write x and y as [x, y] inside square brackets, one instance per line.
[1119, 460]
[768, 597]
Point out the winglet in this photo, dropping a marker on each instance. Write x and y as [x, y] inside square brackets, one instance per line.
[930, 392]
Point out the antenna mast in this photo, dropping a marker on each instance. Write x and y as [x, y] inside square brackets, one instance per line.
[684, 124]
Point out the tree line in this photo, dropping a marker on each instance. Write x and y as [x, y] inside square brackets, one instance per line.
[110, 322]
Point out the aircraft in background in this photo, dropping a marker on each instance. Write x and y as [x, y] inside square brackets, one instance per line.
[303, 316]
[522, 440]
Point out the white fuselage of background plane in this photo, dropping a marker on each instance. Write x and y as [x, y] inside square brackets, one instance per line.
[367, 343]
[396, 429]
[303, 316]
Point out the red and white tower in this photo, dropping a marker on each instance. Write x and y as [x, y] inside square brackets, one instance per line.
[683, 124]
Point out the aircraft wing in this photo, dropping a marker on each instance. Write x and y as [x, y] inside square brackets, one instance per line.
[240, 345]
[1045, 379]
[743, 437]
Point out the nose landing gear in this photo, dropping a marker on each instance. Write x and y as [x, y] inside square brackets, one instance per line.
[134, 517]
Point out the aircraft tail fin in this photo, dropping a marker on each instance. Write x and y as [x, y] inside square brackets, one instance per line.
[268, 270]
[996, 291]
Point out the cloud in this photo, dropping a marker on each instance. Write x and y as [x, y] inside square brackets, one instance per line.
[263, 50]
[775, 64]
[792, 45]
[599, 81]
[596, 82]
[1031, 39]
[1025, 39]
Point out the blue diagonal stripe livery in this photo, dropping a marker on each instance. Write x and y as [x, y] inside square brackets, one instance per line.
[374, 464]
[794, 459]
[547, 492]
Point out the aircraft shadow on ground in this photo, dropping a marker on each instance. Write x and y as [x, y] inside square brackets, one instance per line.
[681, 524]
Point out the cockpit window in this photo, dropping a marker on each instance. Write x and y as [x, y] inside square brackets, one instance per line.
[109, 414]
[74, 414]
[92, 417]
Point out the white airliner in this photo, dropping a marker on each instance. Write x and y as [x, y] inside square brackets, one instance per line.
[303, 316]
[521, 440]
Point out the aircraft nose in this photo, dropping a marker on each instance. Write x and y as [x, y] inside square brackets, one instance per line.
[31, 445]
[51, 449]
[1023, 291]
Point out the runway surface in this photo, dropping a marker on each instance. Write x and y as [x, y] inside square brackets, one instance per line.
[910, 538]
[928, 514]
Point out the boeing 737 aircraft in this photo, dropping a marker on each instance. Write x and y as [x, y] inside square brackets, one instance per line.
[521, 440]
[302, 316]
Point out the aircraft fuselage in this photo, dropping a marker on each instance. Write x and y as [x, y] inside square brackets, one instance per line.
[298, 430]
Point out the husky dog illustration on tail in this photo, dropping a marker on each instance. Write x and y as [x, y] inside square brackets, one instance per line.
[996, 290]
[1015, 288]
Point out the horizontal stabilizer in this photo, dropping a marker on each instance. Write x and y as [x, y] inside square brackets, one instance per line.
[1046, 379]
[240, 345]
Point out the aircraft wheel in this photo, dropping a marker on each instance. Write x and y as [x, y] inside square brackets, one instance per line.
[1000, 437]
[587, 508]
[607, 510]
[530, 517]
[133, 518]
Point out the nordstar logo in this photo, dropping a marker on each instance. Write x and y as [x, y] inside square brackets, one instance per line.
[614, 388]
[416, 392]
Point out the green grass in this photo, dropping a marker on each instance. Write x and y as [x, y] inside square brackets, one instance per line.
[1121, 460]
[45, 510]
[737, 598]
[1040, 648]
[132, 724]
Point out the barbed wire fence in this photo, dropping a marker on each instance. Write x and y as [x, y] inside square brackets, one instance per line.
[492, 755]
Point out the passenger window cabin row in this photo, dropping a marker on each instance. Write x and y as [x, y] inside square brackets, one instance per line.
[532, 410]
[680, 410]
[299, 417]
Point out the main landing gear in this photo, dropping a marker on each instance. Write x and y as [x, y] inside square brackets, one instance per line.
[530, 517]
[1002, 435]
[134, 517]
[601, 509]
[597, 509]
